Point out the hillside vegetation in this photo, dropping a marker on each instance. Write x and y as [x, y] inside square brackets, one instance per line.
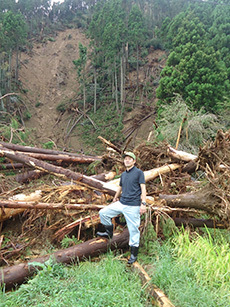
[109, 60]
[142, 74]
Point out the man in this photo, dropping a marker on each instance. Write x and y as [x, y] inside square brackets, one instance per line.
[132, 204]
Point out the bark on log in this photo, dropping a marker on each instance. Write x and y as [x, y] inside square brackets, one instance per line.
[4, 166]
[29, 175]
[48, 206]
[201, 200]
[57, 170]
[42, 150]
[150, 174]
[199, 222]
[63, 158]
[15, 275]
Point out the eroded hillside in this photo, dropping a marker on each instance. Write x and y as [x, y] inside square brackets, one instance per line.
[49, 78]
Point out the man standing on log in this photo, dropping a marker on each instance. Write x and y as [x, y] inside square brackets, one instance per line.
[131, 204]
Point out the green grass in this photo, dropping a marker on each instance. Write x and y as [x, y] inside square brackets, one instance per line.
[192, 271]
[104, 283]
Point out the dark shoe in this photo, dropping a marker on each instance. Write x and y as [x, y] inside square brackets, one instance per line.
[134, 253]
[108, 232]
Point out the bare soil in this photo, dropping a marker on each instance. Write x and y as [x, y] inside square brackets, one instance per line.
[49, 78]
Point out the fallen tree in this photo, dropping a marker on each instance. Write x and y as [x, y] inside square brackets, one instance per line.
[28, 149]
[205, 199]
[17, 274]
[56, 170]
[48, 206]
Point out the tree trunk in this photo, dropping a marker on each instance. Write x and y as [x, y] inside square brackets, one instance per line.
[204, 199]
[50, 206]
[198, 222]
[15, 275]
[58, 171]
[95, 91]
[116, 86]
[29, 175]
[63, 158]
[45, 151]
[150, 174]
[180, 155]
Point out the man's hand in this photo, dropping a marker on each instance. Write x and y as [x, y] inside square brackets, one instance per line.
[115, 199]
[142, 209]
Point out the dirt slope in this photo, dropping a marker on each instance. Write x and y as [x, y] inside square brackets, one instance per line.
[49, 78]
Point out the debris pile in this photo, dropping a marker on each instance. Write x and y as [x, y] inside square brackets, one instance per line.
[188, 189]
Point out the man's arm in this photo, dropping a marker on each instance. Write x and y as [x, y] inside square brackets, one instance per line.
[118, 193]
[143, 198]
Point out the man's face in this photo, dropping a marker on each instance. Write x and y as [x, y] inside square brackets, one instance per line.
[129, 162]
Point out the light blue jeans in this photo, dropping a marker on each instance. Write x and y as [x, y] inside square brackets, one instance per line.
[132, 217]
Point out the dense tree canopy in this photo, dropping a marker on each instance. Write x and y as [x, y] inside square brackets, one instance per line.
[198, 65]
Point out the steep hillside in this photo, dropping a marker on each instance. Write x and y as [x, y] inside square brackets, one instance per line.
[49, 78]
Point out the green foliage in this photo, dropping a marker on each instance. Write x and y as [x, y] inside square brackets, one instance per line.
[81, 62]
[67, 241]
[13, 31]
[198, 127]
[48, 145]
[198, 66]
[105, 283]
[137, 31]
[27, 115]
[109, 125]
[14, 132]
[61, 107]
[192, 271]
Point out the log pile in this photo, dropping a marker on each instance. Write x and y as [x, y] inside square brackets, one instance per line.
[189, 189]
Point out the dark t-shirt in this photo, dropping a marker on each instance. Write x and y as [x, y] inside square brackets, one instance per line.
[131, 190]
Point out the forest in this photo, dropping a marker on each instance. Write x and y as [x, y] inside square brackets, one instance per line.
[149, 76]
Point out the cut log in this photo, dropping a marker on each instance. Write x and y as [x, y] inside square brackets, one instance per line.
[192, 166]
[180, 155]
[29, 175]
[205, 200]
[199, 222]
[63, 158]
[15, 275]
[4, 166]
[150, 174]
[57, 170]
[29, 149]
[105, 176]
[159, 297]
[48, 206]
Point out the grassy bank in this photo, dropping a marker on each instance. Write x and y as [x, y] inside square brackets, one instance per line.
[192, 269]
